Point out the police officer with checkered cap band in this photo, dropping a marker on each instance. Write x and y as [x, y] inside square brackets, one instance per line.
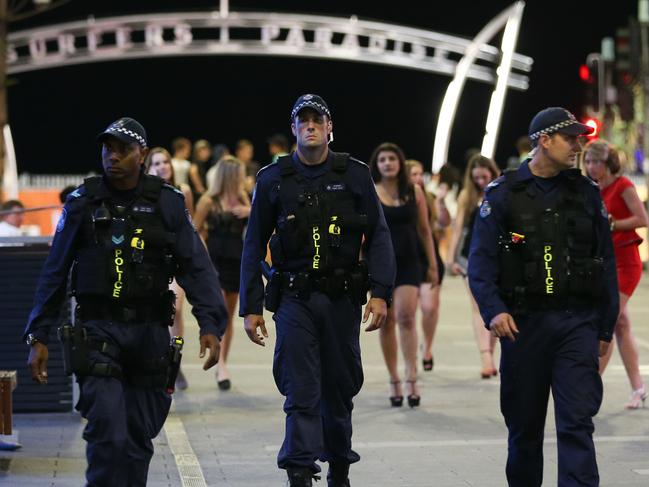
[542, 270]
[319, 206]
[125, 234]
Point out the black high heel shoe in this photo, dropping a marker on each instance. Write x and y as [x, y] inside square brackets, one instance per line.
[427, 364]
[413, 399]
[396, 401]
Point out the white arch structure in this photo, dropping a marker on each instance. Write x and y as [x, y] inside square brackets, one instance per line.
[222, 32]
[511, 19]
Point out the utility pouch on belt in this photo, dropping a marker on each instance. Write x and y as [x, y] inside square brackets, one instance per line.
[175, 357]
[75, 349]
[273, 291]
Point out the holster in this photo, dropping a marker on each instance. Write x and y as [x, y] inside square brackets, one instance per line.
[74, 342]
[273, 290]
[175, 357]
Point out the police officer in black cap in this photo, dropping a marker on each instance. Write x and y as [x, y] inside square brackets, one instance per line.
[543, 273]
[320, 204]
[125, 235]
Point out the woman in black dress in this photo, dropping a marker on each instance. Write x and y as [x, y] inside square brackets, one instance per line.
[406, 214]
[221, 217]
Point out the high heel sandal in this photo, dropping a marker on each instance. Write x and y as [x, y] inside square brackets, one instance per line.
[637, 399]
[413, 399]
[487, 372]
[396, 401]
[427, 364]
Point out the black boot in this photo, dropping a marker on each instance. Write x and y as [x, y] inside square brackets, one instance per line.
[299, 477]
[337, 476]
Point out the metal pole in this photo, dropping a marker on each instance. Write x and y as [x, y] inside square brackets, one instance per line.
[595, 57]
[643, 17]
[4, 12]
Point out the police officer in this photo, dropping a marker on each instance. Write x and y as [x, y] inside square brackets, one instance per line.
[125, 235]
[542, 271]
[320, 204]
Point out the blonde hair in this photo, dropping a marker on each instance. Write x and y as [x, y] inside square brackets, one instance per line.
[471, 193]
[605, 152]
[229, 173]
[149, 160]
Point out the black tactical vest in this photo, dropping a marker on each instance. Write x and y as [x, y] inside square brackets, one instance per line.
[321, 222]
[549, 254]
[124, 252]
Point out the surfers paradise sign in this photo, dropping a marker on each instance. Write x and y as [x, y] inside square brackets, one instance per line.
[221, 32]
[242, 33]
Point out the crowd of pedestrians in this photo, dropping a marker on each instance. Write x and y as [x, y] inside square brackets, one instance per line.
[430, 216]
[431, 223]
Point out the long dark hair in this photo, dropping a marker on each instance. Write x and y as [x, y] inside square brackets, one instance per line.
[403, 180]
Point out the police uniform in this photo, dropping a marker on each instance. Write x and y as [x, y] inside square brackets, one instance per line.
[317, 287]
[124, 247]
[541, 251]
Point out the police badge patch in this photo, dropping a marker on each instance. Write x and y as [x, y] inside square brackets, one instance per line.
[604, 211]
[189, 219]
[485, 209]
[61, 224]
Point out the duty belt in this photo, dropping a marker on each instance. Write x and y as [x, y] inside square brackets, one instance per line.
[306, 282]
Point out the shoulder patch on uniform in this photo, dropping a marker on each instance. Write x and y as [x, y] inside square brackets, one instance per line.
[604, 211]
[61, 224]
[174, 189]
[189, 219]
[77, 193]
[493, 183]
[485, 209]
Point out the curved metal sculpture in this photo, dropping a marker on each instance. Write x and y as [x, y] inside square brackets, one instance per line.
[512, 18]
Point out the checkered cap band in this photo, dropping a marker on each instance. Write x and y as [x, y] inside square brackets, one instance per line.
[130, 133]
[553, 128]
[310, 103]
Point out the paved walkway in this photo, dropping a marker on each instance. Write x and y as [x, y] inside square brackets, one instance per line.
[456, 438]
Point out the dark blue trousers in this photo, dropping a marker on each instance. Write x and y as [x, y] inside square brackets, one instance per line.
[122, 418]
[317, 366]
[557, 351]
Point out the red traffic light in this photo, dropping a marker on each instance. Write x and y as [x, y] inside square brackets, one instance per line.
[584, 74]
[596, 125]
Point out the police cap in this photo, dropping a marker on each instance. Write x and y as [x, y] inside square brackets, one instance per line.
[127, 130]
[556, 119]
[310, 101]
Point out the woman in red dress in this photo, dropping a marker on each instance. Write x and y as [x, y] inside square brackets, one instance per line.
[626, 213]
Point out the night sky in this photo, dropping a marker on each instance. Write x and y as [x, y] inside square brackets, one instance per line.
[56, 113]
